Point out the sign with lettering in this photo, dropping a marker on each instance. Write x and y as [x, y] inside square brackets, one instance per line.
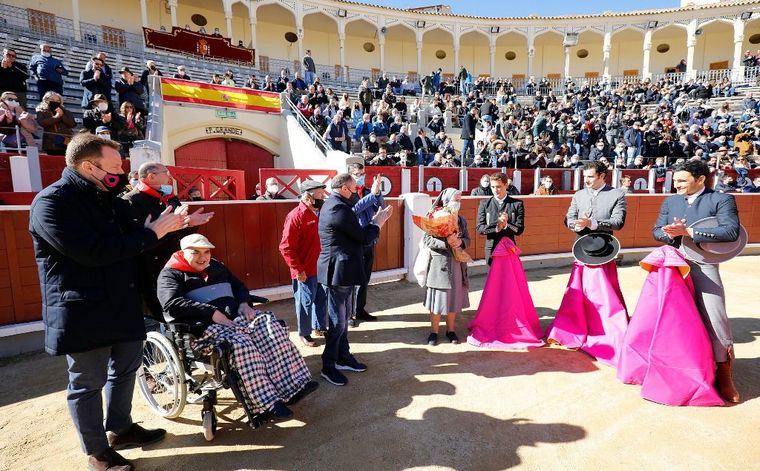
[226, 114]
[224, 130]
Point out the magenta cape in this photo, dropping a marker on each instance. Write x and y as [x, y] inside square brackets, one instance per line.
[592, 316]
[506, 317]
[667, 349]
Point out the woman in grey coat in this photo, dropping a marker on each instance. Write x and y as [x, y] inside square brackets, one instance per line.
[447, 282]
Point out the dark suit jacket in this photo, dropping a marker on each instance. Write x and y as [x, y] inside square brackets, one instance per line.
[488, 218]
[341, 259]
[709, 203]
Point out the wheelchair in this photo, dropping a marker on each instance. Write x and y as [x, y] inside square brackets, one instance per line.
[172, 375]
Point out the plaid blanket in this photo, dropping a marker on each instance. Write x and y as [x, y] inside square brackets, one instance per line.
[270, 366]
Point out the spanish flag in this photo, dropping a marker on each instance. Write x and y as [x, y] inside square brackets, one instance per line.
[185, 91]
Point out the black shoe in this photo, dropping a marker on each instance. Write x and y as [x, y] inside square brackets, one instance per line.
[109, 460]
[307, 389]
[432, 339]
[352, 322]
[334, 376]
[452, 336]
[280, 412]
[365, 316]
[135, 436]
[351, 365]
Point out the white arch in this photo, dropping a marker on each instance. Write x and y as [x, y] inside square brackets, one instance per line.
[255, 7]
[473, 29]
[403, 25]
[362, 18]
[633, 28]
[668, 25]
[511, 30]
[715, 20]
[322, 13]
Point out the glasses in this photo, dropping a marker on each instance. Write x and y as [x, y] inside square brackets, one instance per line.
[10, 55]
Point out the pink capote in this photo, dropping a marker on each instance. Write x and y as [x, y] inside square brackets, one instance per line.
[667, 349]
[506, 318]
[592, 316]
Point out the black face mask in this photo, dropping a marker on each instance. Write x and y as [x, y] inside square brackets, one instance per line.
[114, 182]
[354, 198]
[196, 198]
[318, 203]
[53, 105]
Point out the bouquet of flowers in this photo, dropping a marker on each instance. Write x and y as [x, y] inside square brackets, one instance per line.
[442, 224]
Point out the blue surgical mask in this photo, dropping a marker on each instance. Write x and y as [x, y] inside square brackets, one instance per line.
[166, 190]
[360, 180]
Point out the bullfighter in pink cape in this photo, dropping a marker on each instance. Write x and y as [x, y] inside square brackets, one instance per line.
[666, 349]
[592, 316]
[506, 318]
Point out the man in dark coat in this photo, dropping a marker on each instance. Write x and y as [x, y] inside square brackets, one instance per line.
[130, 89]
[13, 76]
[86, 255]
[95, 82]
[500, 215]
[152, 195]
[340, 268]
[468, 133]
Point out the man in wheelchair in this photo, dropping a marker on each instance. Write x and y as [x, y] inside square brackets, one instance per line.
[200, 291]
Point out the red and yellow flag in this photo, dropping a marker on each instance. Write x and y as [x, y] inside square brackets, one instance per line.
[185, 91]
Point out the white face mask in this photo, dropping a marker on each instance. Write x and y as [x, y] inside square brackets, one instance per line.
[166, 190]
[273, 189]
[46, 54]
[105, 136]
[372, 139]
[11, 103]
[454, 205]
[548, 184]
[102, 106]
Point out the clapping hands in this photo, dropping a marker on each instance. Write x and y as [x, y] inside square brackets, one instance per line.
[676, 229]
[382, 216]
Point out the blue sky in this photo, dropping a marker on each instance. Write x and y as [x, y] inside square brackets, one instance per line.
[525, 8]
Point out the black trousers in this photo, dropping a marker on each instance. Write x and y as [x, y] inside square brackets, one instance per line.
[361, 295]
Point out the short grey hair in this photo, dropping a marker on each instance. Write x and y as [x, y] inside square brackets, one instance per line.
[340, 179]
[148, 168]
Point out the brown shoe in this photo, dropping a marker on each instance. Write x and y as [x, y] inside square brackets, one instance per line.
[135, 436]
[109, 460]
[724, 380]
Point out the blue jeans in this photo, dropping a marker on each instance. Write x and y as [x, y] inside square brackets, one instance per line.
[468, 144]
[114, 368]
[310, 306]
[340, 306]
[308, 77]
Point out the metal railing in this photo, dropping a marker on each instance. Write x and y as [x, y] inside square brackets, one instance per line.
[315, 136]
[716, 74]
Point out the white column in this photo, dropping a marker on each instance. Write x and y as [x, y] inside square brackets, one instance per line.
[567, 62]
[531, 51]
[252, 23]
[173, 10]
[606, 48]
[381, 44]
[144, 13]
[342, 45]
[419, 59]
[691, 42]
[300, 43]
[492, 63]
[299, 29]
[645, 66]
[75, 18]
[456, 36]
[228, 20]
[737, 66]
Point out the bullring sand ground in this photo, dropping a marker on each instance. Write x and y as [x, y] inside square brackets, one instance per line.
[444, 407]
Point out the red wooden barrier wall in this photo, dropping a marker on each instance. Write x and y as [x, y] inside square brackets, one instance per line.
[247, 235]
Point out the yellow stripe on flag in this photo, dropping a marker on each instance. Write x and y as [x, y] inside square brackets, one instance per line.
[223, 97]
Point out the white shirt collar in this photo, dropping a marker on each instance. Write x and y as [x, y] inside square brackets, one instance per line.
[500, 200]
[691, 198]
[596, 192]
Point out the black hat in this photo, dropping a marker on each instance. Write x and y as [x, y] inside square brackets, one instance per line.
[596, 248]
[124, 69]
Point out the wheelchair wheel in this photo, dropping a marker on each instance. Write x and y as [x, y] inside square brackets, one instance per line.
[162, 377]
[209, 424]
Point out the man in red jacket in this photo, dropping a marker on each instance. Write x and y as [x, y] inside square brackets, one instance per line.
[300, 249]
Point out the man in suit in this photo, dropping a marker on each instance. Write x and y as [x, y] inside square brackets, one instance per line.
[340, 269]
[500, 215]
[598, 207]
[694, 201]
[582, 321]
[468, 133]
